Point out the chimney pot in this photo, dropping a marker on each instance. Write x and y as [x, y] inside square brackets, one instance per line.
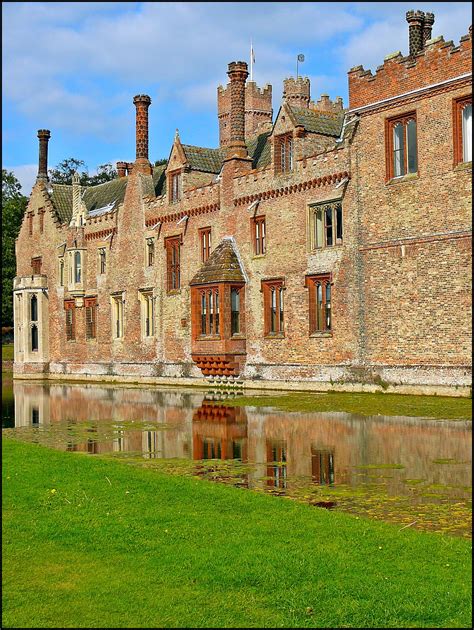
[427, 26]
[121, 169]
[44, 135]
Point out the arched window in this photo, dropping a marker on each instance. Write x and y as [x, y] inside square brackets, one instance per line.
[34, 308]
[34, 338]
[77, 267]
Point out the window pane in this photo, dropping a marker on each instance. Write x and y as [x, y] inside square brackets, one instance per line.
[319, 228]
[398, 150]
[216, 303]
[273, 310]
[328, 221]
[280, 291]
[203, 314]
[77, 267]
[339, 222]
[319, 307]
[328, 306]
[211, 312]
[34, 338]
[467, 133]
[411, 141]
[263, 236]
[34, 309]
[235, 311]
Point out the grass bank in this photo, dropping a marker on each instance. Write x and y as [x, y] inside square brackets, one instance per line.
[93, 543]
[441, 407]
[7, 352]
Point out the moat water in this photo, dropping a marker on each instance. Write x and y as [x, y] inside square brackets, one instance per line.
[415, 472]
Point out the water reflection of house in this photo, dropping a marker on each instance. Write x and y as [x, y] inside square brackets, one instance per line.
[324, 447]
[219, 432]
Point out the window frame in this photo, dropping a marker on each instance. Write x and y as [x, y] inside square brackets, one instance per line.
[175, 193]
[458, 146]
[150, 249]
[205, 243]
[117, 302]
[173, 268]
[322, 206]
[259, 235]
[389, 145]
[311, 282]
[102, 260]
[90, 308]
[148, 325]
[70, 306]
[286, 141]
[210, 319]
[277, 287]
[36, 264]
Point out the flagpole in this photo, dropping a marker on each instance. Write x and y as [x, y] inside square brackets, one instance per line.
[251, 61]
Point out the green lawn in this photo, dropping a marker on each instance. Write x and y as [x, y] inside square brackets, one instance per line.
[89, 542]
[7, 352]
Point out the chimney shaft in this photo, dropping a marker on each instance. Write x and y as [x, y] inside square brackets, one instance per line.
[142, 103]
[44, 135]
[238, 74]
[121, 169]
[427, 26]
[415, 21]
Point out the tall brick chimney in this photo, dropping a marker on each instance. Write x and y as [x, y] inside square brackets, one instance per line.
[238, 74]
[121, 169]
[44, 135]
[297, 91]
[415, 21]
[142, 103]
[427, 26]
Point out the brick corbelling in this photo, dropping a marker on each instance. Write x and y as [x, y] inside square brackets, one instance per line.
[213, 207]
[467, 234]
[293, 188]
[100, 234]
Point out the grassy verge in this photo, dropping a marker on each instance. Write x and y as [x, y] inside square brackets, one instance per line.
[93, 543]
[443, 407]
[7, 352]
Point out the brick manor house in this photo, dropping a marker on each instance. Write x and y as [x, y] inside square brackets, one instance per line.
[327, 247]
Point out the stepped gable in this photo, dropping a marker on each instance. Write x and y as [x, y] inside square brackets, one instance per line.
[324, 123]
[221, 266]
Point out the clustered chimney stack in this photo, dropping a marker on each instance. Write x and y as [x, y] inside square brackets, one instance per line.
[419, 29]
[142, 103]
[238, 74]
[427, 26]
[44, 135]
[121, 169]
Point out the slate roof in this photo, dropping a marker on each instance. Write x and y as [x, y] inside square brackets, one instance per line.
[318, 122]
[104, 194]
[221, 266]
[202, 159]
[259, 150]
[159, 179]
[62, 201]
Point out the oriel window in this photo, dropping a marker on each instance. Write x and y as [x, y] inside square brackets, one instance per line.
[210, 311]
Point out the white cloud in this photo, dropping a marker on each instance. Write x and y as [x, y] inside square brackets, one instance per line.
[26, 175]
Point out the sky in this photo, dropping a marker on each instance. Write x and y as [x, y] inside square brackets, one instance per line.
[74, 67]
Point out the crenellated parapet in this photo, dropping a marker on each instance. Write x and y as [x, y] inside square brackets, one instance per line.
[438, 61]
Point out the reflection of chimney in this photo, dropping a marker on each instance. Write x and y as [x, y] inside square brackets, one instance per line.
[415, 21]
[44, 135]
[238, 75]
[427, 26]
[142, 103]
[121, 169]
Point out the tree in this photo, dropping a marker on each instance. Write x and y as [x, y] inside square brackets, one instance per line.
[13, 208]
[161, 162]
[63, 172]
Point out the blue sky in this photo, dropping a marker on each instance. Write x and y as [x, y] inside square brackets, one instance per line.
[74, 67]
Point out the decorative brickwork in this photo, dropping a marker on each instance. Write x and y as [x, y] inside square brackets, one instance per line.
[349, 268]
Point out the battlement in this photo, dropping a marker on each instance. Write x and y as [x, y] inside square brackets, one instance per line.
[324, 104]
[258, 110]
[438, 61]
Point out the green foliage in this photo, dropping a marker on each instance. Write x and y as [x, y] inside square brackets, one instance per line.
[63, 172]
[13, 209]
[93, 543]
[161, 162]
[442, 407]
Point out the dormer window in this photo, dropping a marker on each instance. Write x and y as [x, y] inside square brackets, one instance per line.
[175, 187]
[284, 153]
